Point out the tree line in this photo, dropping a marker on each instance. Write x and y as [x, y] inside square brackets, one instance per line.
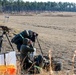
[21, 6]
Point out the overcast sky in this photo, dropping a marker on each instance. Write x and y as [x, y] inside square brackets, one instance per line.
[74, 1]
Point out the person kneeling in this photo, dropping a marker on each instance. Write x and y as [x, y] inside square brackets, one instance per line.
[25, 50]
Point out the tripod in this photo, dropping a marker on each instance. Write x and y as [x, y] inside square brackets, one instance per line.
[5, 31]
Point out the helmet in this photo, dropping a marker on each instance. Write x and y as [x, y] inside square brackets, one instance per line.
[25, 41]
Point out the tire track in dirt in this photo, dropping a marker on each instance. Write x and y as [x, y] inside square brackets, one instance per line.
[58, 28]
[50, 27]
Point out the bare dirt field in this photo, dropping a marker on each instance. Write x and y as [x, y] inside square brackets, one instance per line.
[57, 32]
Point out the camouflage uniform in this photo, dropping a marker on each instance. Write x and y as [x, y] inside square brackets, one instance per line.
[25, 50]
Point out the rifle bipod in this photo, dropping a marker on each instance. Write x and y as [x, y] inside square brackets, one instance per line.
[5, 30]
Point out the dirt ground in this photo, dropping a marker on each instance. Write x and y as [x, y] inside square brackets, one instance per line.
[57, 32]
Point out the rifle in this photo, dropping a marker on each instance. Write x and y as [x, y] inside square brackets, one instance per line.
[5, 30]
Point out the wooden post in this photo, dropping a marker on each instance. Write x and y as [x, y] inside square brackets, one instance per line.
[50, 55]
[74, 62]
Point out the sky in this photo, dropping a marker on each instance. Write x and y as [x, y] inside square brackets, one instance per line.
[74, 1]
